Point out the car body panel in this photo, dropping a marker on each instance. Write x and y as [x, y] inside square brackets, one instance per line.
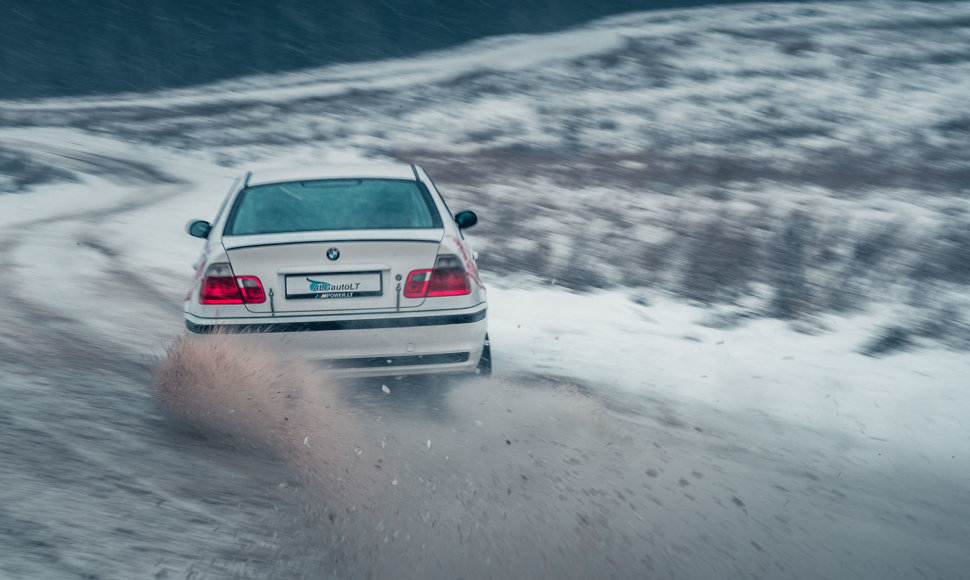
[331, 341]
[375, 170]
[282, 267]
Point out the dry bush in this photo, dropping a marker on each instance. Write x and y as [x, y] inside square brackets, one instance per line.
[947, 253]
[720, 260]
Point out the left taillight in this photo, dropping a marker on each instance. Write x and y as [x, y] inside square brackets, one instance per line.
[220, 286]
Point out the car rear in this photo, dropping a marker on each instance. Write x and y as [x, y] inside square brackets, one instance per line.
[368, 275]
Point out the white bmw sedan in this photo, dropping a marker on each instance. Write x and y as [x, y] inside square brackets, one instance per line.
[362, 268]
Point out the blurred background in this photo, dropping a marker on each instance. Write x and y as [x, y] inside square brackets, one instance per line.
[77, 47]
[784, 160]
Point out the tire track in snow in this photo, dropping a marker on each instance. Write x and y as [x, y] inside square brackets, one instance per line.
[94, 472]
[28, 321]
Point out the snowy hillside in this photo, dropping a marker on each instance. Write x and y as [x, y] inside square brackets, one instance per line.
[801, 158]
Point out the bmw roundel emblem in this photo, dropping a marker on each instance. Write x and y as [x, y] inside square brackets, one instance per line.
[333, 254]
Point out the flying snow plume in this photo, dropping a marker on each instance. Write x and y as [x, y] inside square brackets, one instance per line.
[232, 389]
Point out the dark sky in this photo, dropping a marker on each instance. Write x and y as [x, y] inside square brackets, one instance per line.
[73, 47]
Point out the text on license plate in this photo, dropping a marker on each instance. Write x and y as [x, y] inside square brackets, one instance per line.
[343, 285]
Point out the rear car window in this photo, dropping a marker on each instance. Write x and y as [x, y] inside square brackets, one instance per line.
[332, 204]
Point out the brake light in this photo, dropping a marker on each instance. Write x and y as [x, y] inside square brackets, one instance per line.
[448, 278]
[219, 290]
[417, 284]
[252, 289]
[219, 286]
[449, 283]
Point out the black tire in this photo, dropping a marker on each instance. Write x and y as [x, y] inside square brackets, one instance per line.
[485, 363]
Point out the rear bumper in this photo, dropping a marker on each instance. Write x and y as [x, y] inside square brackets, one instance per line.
[376, 345]
[273, 325]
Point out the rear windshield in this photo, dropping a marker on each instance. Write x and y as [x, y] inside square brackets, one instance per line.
[332, 204]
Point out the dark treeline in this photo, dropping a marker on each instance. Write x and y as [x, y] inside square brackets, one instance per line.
[76, 47]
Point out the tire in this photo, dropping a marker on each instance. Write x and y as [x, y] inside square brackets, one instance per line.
[485, 363]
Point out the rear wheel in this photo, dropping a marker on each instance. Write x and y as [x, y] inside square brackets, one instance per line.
[485, 363]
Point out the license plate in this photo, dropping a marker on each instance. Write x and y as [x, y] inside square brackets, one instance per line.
[330, 286]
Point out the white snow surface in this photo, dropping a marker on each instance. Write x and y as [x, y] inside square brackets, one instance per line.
[763, 372]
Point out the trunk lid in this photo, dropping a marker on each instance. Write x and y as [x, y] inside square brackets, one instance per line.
[333, 272]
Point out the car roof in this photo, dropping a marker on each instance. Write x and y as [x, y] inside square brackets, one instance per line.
[342, 171]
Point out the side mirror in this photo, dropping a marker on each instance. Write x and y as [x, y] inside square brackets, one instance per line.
[466, 219]
[198, 228]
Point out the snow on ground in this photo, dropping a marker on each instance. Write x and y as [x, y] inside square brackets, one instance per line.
[681, 82]
[761, 372]
[623, 345]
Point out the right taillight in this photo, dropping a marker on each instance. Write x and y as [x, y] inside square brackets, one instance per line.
[219, 286]
[448, 278]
